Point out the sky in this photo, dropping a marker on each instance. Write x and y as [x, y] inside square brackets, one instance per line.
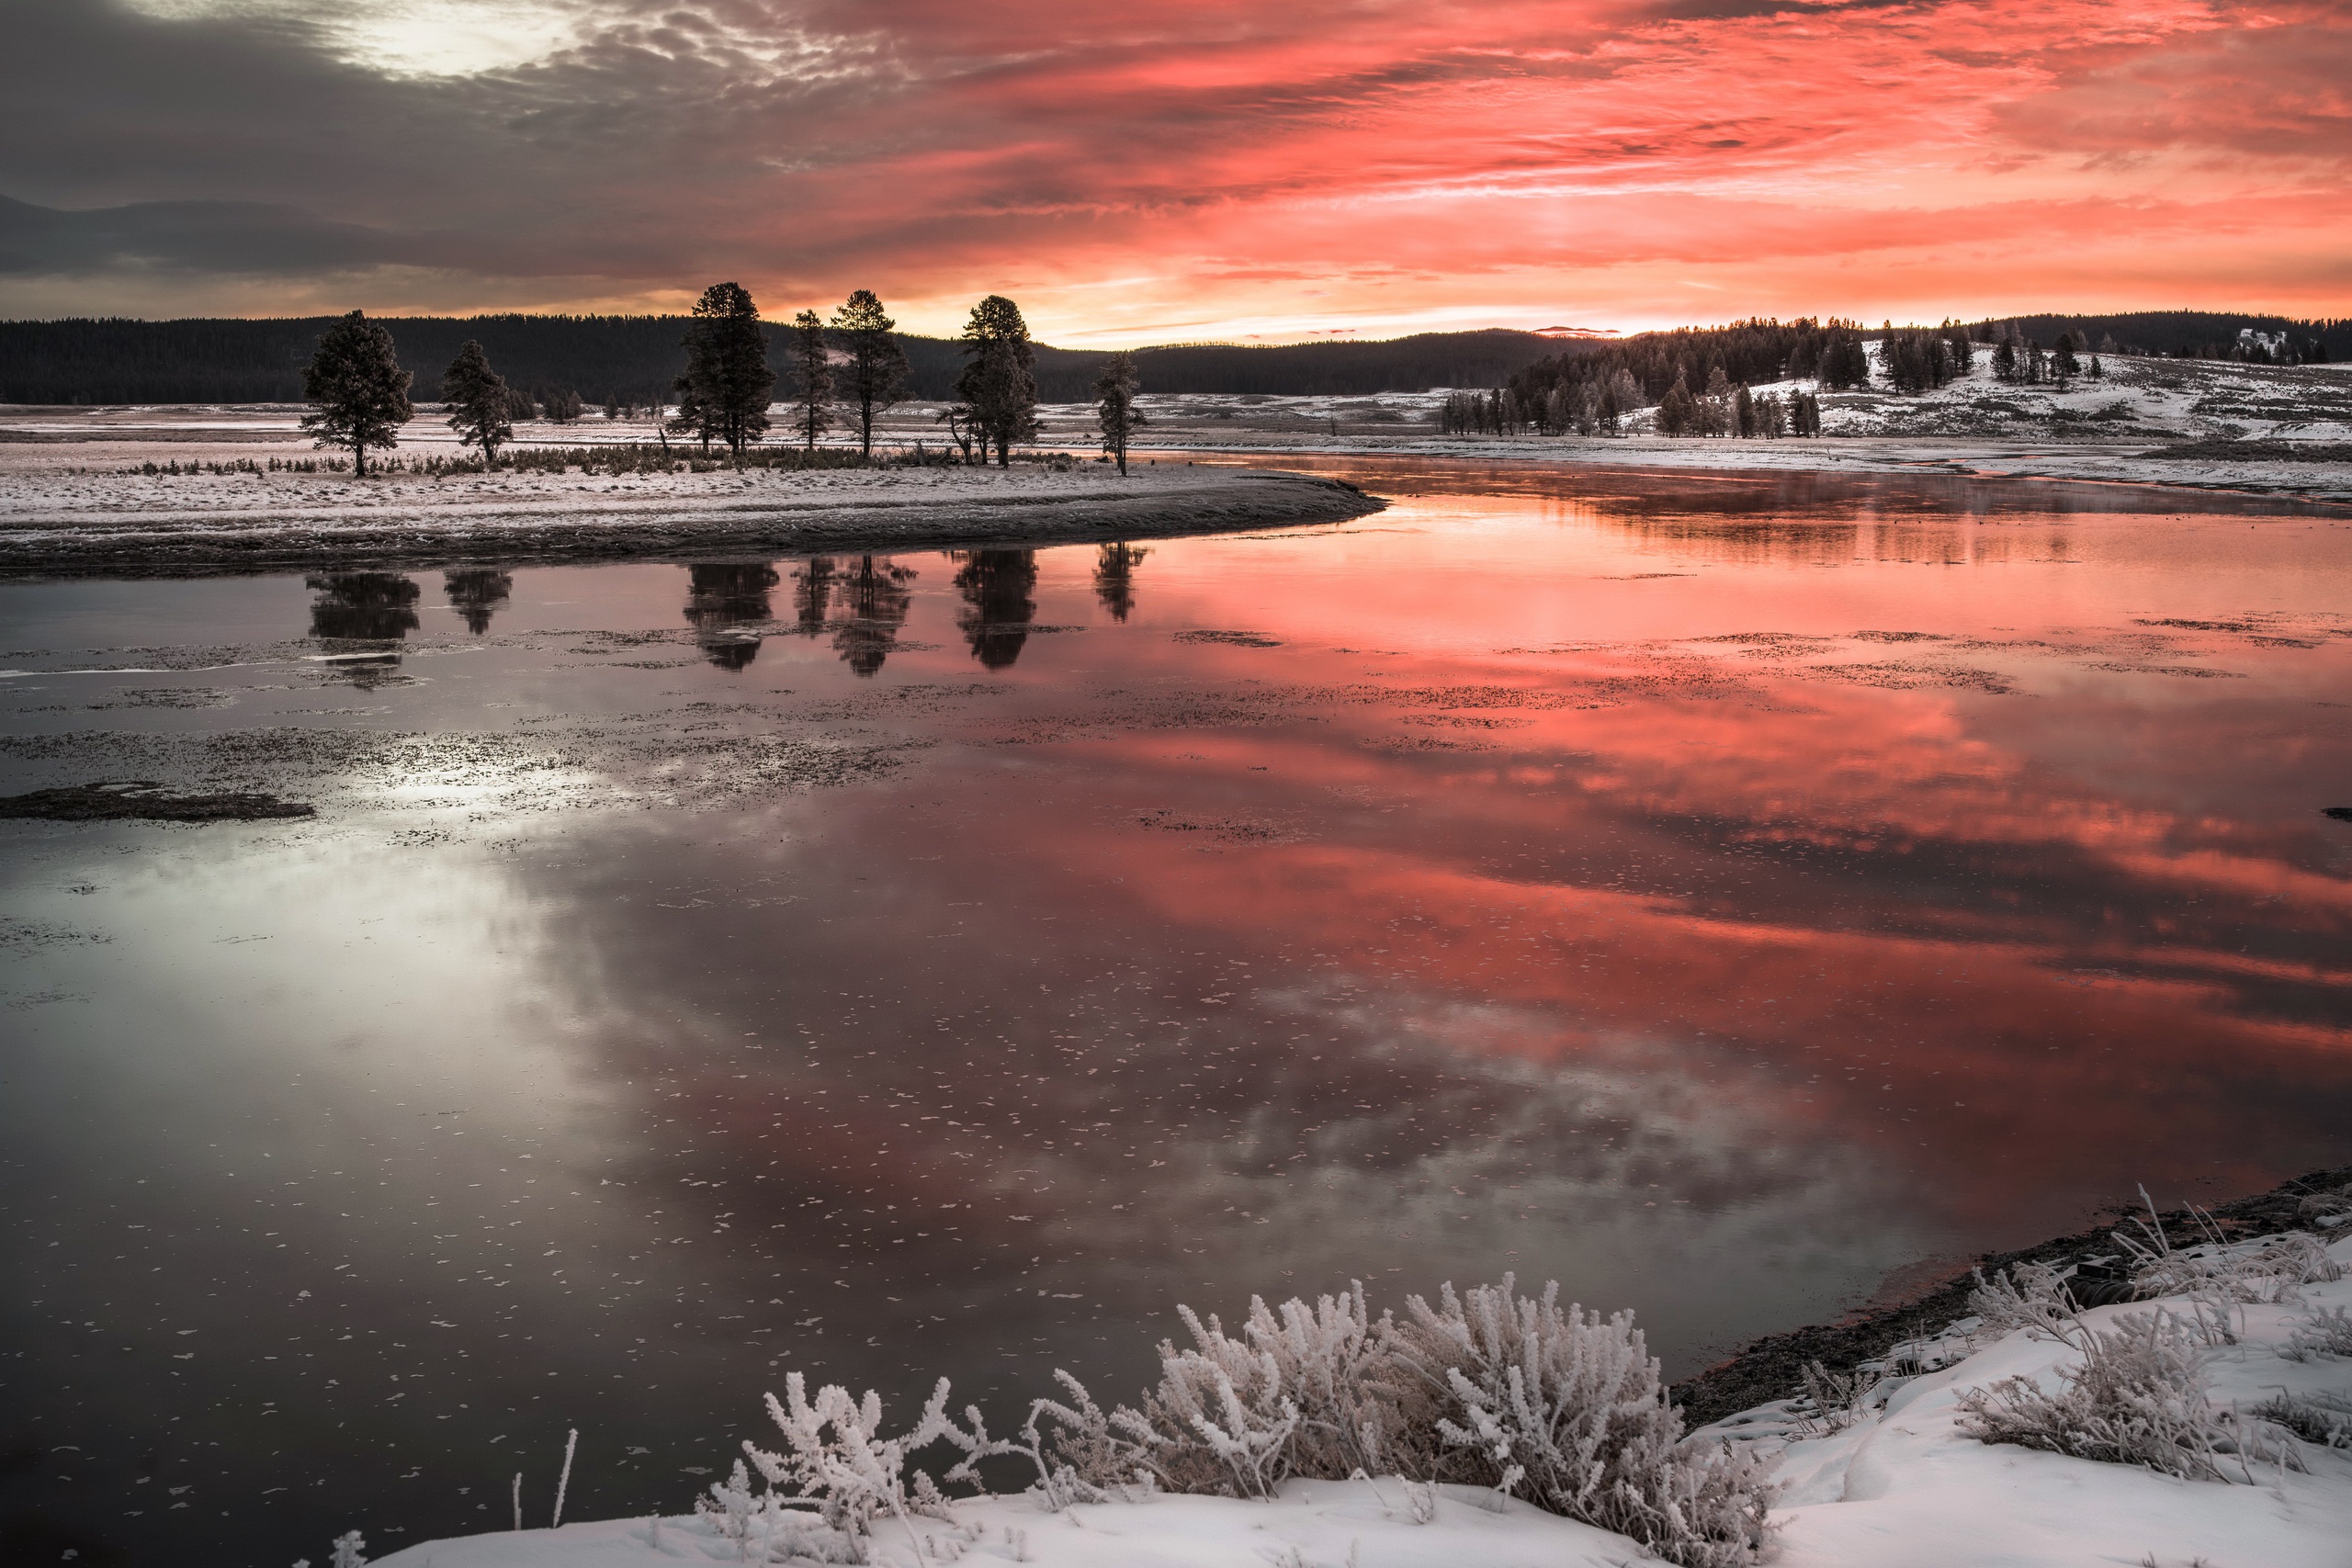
[1156, 171]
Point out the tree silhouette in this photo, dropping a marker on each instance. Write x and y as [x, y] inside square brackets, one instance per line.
[724, 393]
[1115, 576]
[995, 586]
[479, 400]
[812, 588]
[358, 389]
[1114, 407]
[362, 606]
[874, 601]
[874, 367]
[475, 592]
[1677, 412]
[998, 383]
[812, 378]
[723, 603]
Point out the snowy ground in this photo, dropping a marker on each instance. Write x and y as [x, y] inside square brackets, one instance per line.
[77, 496]
[2198, 423]
[2116, 429]
[1902, 1488]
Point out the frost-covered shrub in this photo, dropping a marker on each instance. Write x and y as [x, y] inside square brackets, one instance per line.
[1314, 1391]
[2321, 1419]
[1561, 1408]
[1568, 1410]
[2327, 1203]
[2031, 1297]
[2267, 1268]
[2321, 1334]
[1838, 1399]
[2137, 1396]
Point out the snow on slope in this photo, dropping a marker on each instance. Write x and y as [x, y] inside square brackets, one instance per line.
[1904, 1488]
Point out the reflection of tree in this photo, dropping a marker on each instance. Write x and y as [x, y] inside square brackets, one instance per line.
[1114, 576]
[812, 588]
[475, 592]
[873, 598]
[995, 586]
[362, 606]
[367, 607]
[723, 600]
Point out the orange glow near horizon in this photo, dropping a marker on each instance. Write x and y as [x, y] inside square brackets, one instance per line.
[1159, 174]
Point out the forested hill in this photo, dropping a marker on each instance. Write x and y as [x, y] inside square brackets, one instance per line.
[2187, 334]
[632, 357]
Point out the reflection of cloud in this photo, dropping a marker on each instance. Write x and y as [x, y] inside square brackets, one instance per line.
[1215, 156]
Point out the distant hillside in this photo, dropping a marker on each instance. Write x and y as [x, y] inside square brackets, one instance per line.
[632, 357]
[2182, 334]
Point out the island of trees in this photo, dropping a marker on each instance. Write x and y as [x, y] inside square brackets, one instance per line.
[846, 371]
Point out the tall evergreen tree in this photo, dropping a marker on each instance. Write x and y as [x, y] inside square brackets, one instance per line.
[1114, 406]
[874, 367]
[724, 393]
[998, 383]
[812, 378]
[2063, 365]
[357, 389]
[1677, 410]
[478, 400]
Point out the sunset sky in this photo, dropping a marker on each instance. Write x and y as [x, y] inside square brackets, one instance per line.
[1152, 172]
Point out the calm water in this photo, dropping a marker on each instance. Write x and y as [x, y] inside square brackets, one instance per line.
[1717, 894]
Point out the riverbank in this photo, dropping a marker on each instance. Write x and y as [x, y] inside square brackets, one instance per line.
[2311, 472]
[2253, 1466]
[1774, 1367]
[59, 519]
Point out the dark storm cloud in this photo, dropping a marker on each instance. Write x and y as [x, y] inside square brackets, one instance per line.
[243, 237]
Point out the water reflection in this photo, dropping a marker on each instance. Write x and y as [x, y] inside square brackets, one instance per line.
[727, 603]
[363, 607]
[995, 586]
[475, 593]
[873, 601]
[812, 586]
[1114, 576]
[1794, 922]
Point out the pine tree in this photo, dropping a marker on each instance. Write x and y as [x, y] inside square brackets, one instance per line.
[874, 367]
[1114, 406]
[1677, 410]
[2005, 360]
[1714, 409]
[1744, 412]
[724, 393]
[359, 389]
[997, 383]
[2063, 366]
[812, 378]
[479, 402]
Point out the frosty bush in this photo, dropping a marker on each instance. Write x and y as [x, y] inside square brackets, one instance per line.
[1561, 1408]
[2321, 1334]
[2268, 1268]
[2321, 1419]
[2138, 1397]
[1570, 1406]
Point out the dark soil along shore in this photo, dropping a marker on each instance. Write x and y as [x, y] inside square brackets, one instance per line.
[139, 800]
[1774, 1367]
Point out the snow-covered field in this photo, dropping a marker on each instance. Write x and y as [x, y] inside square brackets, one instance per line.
[1898, 1482]
[2121, 428]
[2201, 423]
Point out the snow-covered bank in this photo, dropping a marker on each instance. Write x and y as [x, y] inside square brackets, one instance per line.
[1890, 1475]
[63, 520]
